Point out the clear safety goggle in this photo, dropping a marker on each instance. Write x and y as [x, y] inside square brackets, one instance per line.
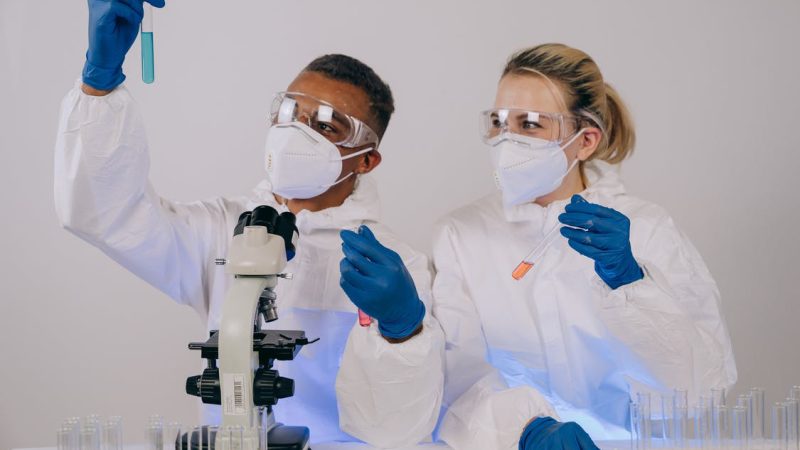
[553, 127]
[339, 128]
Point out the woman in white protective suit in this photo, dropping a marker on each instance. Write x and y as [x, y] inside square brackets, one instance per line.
[619, 303]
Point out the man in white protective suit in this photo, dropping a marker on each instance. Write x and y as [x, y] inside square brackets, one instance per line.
[381, 384]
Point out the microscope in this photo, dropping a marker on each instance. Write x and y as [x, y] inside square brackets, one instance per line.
[240, 355]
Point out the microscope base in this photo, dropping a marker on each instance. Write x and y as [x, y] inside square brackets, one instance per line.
[280, 437]
[288, 438]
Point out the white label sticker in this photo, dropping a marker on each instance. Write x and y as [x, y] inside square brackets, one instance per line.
[235, 396]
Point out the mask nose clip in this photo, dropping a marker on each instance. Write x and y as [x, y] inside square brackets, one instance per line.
[312, 139]
[507, 136]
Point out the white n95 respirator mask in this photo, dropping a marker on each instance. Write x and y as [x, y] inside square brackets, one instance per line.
[301, 163]
[526, 168]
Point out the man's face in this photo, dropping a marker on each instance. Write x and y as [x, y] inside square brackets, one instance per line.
[345, 98]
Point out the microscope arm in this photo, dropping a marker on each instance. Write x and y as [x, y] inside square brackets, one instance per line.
[236, 358]
[255, 259]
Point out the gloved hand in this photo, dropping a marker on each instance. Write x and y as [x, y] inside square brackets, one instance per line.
[113, 26]
[376, 280]
[545, 433]
[604, 237]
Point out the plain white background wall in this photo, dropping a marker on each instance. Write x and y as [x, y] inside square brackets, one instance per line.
[713, 87]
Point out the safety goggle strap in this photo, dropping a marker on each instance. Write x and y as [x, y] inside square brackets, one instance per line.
[360, 152]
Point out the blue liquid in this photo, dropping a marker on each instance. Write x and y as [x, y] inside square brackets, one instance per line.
[148, 69]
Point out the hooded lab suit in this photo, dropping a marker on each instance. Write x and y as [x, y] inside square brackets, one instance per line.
[560, 342]
[388, 394]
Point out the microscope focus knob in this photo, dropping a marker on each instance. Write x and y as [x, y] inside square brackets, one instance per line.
[205, 386]
[269, 386]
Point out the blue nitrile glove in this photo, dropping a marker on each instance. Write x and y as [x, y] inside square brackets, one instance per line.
[113, 26]
[376, 280]
[604, 237]
[546, 433]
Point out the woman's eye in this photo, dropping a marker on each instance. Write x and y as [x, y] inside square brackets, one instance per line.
[496, 123]
[528, 125]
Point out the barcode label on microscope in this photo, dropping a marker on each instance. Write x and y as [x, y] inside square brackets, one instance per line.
[237, 394]
[235, 397]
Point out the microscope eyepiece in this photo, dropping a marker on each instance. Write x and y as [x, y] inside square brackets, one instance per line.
[286, 228]
[282, 225]
[264, 216]
[244, 220]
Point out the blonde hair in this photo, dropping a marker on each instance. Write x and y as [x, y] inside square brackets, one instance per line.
[584, 93]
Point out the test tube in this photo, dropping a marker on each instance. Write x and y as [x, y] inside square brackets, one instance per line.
[172, 436]
[792, 422]
[794, 394]
[210, 436]
[780, 427]
[364, 319]
[63, 435]
[225, 437]
[195, 439]
[530, 260]
[681, 427]
[231, 437]
[154, 433]
[757, 407]
[718, 397]
[681, 417]
[65, 438]
[90, 437]
[95, 422]
[154, 437]
[746, 402]
[262, 437]
[718, 429]
[702, 422]
[184, 440]
[75, 422]
[112, 433]
[738, 428]
[633, 410]
[148, 63]
[201, 438]
[645, 420]
[721, 427]
[71, 428]
[668, 419]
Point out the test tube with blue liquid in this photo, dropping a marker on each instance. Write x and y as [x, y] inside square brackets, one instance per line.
[148, 65]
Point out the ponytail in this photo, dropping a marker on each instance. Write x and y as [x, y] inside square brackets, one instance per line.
[621, 136]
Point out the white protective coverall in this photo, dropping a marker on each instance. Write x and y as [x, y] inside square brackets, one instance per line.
[388, 394]
[561, 333]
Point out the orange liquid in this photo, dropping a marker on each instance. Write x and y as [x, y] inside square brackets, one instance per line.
[363, 319]
[521, 270]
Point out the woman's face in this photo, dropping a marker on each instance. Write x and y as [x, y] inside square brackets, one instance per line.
[534, 93]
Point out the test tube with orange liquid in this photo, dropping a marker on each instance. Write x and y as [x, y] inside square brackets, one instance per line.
[364, 319]
[529, 261]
